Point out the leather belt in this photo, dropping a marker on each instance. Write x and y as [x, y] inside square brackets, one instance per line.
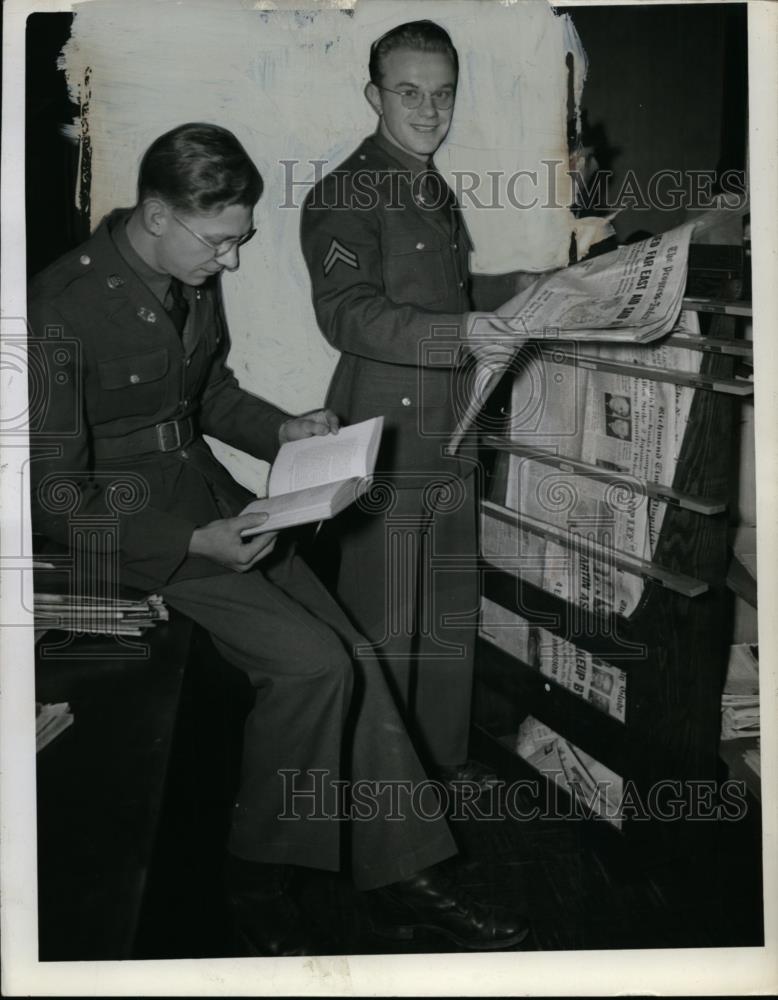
[168, 436]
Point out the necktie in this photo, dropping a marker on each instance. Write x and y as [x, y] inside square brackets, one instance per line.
[176, 305]
[435, 192]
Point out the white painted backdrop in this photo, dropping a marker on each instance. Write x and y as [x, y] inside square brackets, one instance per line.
[289, 84]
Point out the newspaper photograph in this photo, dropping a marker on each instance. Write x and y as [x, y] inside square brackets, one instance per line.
[534, 239]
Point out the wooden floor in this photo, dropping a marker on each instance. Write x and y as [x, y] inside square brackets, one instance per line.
[580, 885]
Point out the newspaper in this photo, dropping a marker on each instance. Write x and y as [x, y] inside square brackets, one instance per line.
[586, 779]
[590, 678]
[632, 294]
[637, 425]
[586, 510]
[50, 721]
[740, 698]
[630, 427]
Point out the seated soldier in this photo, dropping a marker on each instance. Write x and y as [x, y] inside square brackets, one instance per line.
[142, 300]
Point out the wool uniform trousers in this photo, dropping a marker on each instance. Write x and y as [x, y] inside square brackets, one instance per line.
[408, 579]
[322, 721]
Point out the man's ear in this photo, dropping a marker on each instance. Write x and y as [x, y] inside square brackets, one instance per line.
[374, 98]
[155, 215]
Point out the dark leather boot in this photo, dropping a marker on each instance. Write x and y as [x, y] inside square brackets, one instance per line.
[265, 918]
[431, 901]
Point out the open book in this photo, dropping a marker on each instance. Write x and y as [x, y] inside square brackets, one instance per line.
[317, 477]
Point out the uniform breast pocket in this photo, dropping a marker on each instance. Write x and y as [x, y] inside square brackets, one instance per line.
[132, 385]
[414, 272]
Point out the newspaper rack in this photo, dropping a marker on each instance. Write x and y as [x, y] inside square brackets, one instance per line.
[671, 645]
[720, 306]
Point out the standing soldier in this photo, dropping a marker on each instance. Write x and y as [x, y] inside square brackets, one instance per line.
[388, 256]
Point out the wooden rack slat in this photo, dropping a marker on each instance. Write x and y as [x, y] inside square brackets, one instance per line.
[679, 582]
[656, 491]
[712, 383]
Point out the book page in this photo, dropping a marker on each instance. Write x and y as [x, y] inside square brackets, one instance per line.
[297, 507]
[331, 458]
[316, 503]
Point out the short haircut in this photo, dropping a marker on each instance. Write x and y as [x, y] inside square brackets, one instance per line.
[200, 169]
[420, 36]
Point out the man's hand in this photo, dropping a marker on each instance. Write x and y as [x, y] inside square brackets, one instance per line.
[481, 327]
[492, 340]
[309, 425]
[221, 542]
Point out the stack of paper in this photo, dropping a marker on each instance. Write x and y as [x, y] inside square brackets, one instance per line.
[97, 615]
[50, 721]
[740, 700]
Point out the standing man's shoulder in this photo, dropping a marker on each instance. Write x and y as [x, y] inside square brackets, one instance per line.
[367, 164]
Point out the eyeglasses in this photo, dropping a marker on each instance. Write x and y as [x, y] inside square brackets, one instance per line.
[412, 98]
[218, 249]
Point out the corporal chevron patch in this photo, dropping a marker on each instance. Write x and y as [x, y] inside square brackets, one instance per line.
[337, 252]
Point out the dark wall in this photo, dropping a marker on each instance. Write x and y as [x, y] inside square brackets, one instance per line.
[54, 224]
[666, 89]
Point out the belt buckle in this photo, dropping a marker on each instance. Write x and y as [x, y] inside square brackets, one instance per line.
[169, 435]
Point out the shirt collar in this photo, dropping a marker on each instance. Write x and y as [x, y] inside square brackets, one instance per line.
[408, 160]
[158, 284]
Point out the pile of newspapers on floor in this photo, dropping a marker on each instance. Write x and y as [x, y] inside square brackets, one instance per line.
[740, 700]
[97, 615]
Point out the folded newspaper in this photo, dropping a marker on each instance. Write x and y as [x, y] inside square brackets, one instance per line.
[595, 786]
[632, 294]
[588, 677]
[740, 698]
[50, 721]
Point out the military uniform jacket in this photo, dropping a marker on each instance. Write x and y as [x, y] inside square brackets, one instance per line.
[106, 362]
[390, 284]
